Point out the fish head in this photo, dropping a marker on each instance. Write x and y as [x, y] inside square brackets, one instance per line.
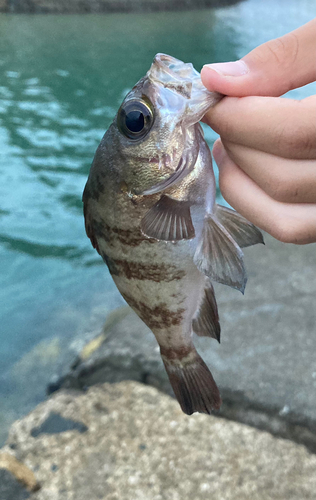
[156, 127]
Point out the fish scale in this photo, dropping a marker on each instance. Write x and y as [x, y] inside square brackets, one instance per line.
[155, 283]
[150, 212]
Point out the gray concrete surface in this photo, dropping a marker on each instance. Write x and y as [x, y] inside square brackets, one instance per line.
[139, 445]
[265, 365]
[104, 6]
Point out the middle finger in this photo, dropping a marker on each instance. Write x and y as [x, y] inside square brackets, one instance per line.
[279, 126]
[284, 179]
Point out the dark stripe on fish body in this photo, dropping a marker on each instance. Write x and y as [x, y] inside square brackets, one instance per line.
[158, 317]
[141, 271]
[178, 353]
[89, 228]
[128, 237]
[96, 187]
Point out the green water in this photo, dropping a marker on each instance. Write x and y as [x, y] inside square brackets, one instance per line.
[61, 80]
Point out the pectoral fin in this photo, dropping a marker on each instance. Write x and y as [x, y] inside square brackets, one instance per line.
[168, 220]
[243, 232]
[219, 257]
[206, 322]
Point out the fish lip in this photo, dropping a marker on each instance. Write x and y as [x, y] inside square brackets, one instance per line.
[163, 61]
[179, 78]
[160, 59]
[185, 80]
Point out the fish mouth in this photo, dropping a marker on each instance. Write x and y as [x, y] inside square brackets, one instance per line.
[166, 61]
[175, 67]
[182, 78]
[174, 74]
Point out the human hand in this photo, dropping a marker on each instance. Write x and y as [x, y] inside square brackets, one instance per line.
[267, 151]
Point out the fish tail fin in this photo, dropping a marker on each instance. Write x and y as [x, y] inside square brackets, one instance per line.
[191, 380]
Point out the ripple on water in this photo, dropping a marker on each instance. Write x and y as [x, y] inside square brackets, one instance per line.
[51, 109]
[33, 249]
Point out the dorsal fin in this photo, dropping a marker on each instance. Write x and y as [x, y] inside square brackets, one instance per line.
[168, 220]
[219, 257]
[243, 232]
[206, 322]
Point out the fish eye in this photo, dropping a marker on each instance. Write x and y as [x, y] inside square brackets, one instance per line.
[135, 118]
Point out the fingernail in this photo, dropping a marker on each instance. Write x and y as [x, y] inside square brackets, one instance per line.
[218, 152]
[233, 68]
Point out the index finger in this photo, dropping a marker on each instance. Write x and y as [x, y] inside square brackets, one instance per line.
[272, 69]
[283, 127]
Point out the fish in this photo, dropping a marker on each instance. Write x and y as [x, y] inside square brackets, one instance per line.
[150, 211]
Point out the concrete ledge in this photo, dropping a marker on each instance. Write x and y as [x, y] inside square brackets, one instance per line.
[105, 6]
[138, 444]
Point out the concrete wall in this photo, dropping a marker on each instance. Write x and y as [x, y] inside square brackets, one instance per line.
[102, 6]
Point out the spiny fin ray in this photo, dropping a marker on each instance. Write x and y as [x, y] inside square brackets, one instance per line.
[168, 220]
[206, 323]
[219, 257]
[243, 232]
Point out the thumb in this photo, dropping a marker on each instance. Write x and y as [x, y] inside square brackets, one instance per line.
[269, 70]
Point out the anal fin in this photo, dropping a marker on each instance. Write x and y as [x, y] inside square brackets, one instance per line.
[243, 232]
[219, 257]
[192, 382]
[168, 220]
[206, 322]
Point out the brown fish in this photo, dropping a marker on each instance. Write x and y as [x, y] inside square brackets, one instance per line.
[150, 212]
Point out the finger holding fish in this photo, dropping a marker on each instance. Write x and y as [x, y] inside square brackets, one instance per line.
[283, 179]
[287, 222]
[278, 126]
